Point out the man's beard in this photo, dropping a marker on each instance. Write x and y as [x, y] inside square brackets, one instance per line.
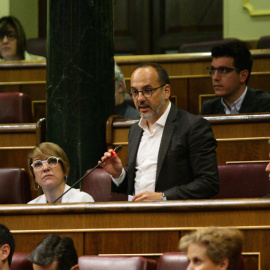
[155, 111]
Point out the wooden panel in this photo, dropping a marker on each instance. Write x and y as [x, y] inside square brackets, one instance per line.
[148, 228]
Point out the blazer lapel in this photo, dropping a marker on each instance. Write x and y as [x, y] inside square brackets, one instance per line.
[166, 138]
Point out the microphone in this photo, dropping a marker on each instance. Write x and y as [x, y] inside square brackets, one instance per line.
[116, 150]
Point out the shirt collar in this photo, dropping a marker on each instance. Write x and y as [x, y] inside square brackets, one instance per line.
[161, 121]
[237, 104]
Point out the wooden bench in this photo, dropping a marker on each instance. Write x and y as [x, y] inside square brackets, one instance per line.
[240, 137]
[17, 141]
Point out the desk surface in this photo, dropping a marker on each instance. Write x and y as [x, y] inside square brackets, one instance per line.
[147, 229]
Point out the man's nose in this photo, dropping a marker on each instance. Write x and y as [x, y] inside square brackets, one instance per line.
[141, 97]
[215, 75]
[5, 39]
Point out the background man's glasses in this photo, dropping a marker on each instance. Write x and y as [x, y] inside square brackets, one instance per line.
[10, 35]
[147, 92]
[51, 161]
[220, 70]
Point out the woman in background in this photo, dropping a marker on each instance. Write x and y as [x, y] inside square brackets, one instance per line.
[13, 41]
[213, 249]
[49, 166]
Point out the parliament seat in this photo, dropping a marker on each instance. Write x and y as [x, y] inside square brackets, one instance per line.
[14, 186]
[264, 42]
[172, 261]
[98, 185]
[15, 107]
[203, 46]
[20, 261]
[37, 46]
[116, 263]
[244, 180]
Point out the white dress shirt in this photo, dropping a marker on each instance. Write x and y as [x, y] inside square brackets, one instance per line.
[146, 162]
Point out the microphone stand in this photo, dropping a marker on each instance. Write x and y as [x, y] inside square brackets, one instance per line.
[118, 148]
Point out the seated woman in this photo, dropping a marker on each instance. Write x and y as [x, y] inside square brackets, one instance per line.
[213, 248]
[13, 41]
[49, 166]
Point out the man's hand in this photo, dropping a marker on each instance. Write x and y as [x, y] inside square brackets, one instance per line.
[147, 196]
[113, 164]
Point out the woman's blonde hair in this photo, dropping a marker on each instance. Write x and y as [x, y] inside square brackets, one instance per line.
[46, 150]
[220, 243]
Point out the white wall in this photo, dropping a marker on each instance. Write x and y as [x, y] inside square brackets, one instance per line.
[238, 22]
[26, 11]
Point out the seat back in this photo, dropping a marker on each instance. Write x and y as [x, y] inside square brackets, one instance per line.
[116, 263]
[172, 261]
[20, 262]
[15, 107]
[37, 46]
[264, 42]
[14, 186]
[203, 46]
[98, 185]
[246, 180]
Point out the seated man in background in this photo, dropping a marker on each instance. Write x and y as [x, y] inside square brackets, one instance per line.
[230, 70]
[13, 41]
[7, 247]
[55, 253]
[121, 105]
[171, 153]
[213, 248]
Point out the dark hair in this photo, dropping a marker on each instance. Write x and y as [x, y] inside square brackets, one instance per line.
[53, 247]
[10, 21]
[6, 237]
[238, 51]
[162, 73]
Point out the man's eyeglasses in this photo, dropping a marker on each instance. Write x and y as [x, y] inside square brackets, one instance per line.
[147, 92]
[223, 71]
[51, 161]
[10, 35]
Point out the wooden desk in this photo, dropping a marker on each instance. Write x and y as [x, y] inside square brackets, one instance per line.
[147, 229]
[240, 137]
[16, 142]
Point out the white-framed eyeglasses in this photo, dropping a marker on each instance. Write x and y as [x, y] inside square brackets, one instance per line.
[52, 162]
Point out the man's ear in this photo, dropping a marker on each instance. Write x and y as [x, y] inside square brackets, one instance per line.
[224, 264]
[75, 267]
[243, 75]
[4, 252]
[167, 91]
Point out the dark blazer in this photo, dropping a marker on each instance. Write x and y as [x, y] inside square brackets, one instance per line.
[254, 101]
[187, 165]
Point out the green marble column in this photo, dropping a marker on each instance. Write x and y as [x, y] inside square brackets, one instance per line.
[80, 79]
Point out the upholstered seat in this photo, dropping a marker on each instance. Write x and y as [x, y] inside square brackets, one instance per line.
[20, 262]
[98, 185]
[172, 261]
[116, 263]
[14, 186]
[203, 46]
[245, 180]
[264, 42]
[15, 107]
[37, 46]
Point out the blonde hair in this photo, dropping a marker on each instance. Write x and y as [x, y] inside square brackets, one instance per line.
[46, 150]
[220, 243]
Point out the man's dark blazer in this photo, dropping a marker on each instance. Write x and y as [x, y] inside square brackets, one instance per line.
[187, 165]
[254, 101]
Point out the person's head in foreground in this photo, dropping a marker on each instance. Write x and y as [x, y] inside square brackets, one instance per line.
[7, 247]
[12, 39]
[55, 253]
[213, 249]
